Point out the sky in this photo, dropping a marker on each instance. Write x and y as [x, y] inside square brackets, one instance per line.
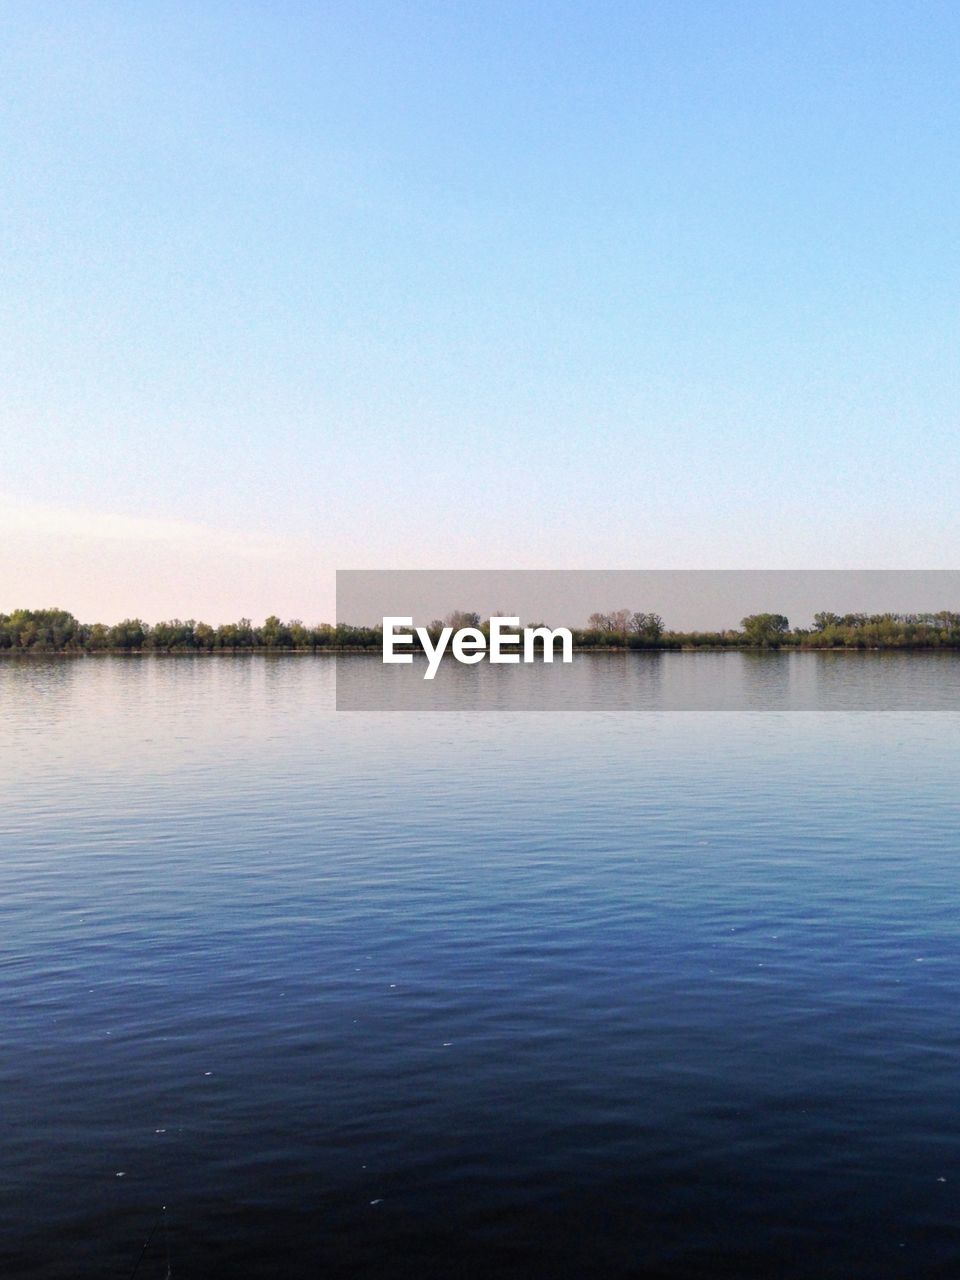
[291, 288]
[686, 599]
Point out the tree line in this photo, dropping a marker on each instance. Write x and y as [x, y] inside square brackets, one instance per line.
[57, 631]
[773, 631]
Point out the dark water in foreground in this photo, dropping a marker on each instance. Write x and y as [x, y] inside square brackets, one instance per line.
[386, 995]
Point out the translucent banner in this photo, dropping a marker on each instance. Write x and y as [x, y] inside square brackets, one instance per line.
[648, 640]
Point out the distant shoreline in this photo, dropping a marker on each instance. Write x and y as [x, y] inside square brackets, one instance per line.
[58, 632]
[357, 651]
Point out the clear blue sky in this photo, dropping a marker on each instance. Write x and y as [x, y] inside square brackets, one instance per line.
[291, 287]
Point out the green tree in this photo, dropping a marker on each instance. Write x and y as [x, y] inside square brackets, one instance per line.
[127, 635]
[765, 629]
[275, 634]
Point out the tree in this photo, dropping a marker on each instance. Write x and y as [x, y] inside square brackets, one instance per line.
[765, 629]
[620, 622]
[129, 634]
[98, 637]
[649, 626]
[460, 618]
[204, 635]
[275, 634]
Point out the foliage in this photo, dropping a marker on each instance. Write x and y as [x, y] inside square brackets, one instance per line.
[57, 631]
[765, 629]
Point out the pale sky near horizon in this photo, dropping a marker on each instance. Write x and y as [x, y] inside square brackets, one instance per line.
[296, 287]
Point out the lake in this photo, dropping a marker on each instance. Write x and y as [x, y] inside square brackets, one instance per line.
[358, 994]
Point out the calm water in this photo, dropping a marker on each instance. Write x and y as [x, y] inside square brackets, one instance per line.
[504, 995]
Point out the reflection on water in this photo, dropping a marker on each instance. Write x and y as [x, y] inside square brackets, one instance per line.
[736, 680]
[376, 995]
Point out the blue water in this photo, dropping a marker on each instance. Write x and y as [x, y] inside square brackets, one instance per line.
[500, 995]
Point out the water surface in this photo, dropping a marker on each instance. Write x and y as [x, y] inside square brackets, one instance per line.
[511, 995]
